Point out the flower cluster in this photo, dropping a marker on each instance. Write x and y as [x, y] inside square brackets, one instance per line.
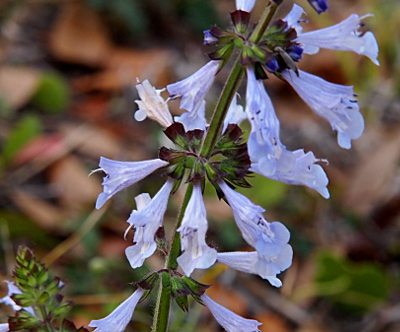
[229, 160]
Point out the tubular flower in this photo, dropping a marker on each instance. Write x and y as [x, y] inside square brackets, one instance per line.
[146, 220]
[343, 36]
[265, 147]
[120, 317]
[336, 103]
[235, 114]
[267, 238]
[305, 172]
[121, 174]
[255, 263]
[230, 321]
[193, 89]
[197, 254]
[152, 105]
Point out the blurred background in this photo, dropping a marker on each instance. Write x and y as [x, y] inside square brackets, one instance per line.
[67, 75]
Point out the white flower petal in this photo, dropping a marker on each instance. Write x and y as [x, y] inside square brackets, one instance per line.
[120, 317]
[121, 174]
[235, 114]
[230, 321]
[152, 105]
[4, 327]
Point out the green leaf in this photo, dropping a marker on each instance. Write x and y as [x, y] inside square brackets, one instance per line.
[52, 95]
[24, 131]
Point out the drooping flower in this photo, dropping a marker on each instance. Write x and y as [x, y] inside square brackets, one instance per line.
[197, 254]
[264, 144]
[146, 220]
[120, 317]
[193, 88]
[195, 119]
[152, 105]
[230, 321]
[343, 36]
[255, 263]
[245, 5]
[336, 103]
[267, 238]
[121, 174]
[319, 6]
[305, 172]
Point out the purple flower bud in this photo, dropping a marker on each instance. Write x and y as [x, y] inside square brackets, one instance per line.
[319, 5]
[272, 65]
[209, 38]
[295, 52]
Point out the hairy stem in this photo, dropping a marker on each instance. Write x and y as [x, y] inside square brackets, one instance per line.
[161, 313]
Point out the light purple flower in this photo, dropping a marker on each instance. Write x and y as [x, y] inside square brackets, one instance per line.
[7, 300]
[152, 105]
[264, 144]
[267, 238]
[193, 88]
[293, 19]
[209, 38]
[4, 327]
[255, 263]
[245, 5]
[120, 317]
[336, 103]
[305, 172]
[319, 6]
[146, 220]
[197, 254]
[195, 119]
[121, 174]
[343, 36]
[230, 321]
[235, 114]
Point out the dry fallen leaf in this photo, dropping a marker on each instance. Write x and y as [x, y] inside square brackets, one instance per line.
[18, 84]
[78, 36]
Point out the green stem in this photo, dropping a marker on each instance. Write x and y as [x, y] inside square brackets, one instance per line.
[265, 19]
[161, 313]
[224, 101]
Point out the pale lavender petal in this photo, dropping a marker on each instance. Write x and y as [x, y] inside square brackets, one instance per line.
[146, 222]
[193, 88]
[4, 327]
[120, 317]
[235, 114]
[195, 119]
[293, 19]
[121, 174]
[305, 172]
[230, 321]
[152, 105]
[343, 36]
[334, 102]
[197, 254]
[264, 144]
[267, 238]
[245, 5]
